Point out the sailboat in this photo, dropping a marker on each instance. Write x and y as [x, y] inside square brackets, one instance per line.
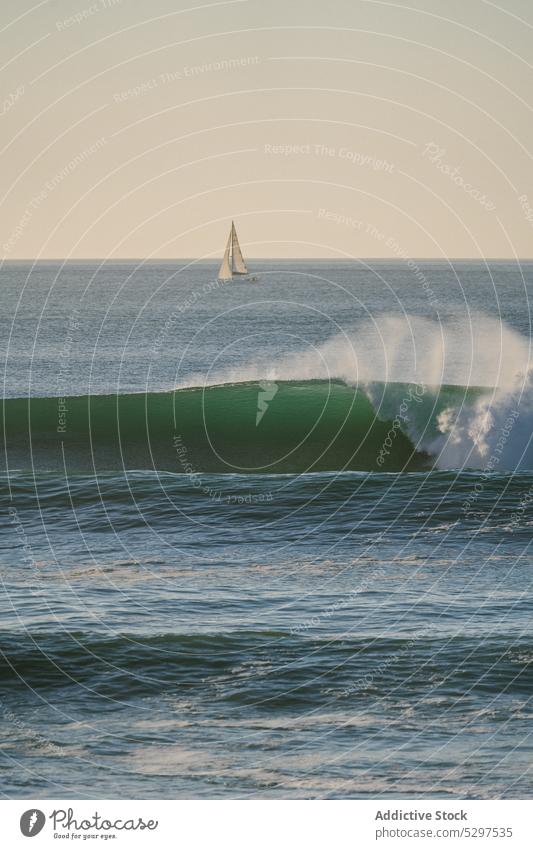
[233, 264]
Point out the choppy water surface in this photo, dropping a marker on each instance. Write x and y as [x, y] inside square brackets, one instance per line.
[270, 540]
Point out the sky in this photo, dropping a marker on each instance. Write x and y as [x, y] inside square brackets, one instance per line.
[353, 128]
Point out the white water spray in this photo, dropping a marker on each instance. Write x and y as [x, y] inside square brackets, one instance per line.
[468, 354]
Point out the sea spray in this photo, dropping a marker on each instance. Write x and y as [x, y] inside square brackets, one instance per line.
[486, 361]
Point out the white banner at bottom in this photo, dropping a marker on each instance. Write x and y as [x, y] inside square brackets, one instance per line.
[345, 824]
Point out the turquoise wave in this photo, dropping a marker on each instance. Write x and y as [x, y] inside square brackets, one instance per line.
[240, 428]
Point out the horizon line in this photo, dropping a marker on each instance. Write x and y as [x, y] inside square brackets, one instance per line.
[215, 260]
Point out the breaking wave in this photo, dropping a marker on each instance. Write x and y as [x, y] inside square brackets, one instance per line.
[413, 402]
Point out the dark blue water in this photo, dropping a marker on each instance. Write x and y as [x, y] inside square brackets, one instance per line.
[169, 631]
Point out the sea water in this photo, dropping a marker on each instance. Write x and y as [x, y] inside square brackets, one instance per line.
[266, 540]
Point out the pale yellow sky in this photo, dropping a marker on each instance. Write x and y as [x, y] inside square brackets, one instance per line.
[348, 128]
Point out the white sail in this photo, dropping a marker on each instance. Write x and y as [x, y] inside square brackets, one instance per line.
[225, 272]
[238, 264]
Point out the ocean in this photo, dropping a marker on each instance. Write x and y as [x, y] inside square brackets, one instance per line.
[266, 540]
